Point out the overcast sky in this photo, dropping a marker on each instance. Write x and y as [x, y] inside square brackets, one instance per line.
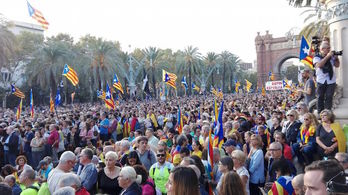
[210, 25]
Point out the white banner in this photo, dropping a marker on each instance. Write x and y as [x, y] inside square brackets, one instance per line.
[276, 85]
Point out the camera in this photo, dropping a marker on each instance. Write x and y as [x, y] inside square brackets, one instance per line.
[337, 53]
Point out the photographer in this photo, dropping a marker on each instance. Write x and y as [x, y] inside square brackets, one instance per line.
[326, 78]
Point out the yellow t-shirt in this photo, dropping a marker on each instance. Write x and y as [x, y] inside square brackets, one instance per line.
[198, 153]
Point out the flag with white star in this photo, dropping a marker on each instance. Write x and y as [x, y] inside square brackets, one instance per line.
[305, 56]
[109, 100]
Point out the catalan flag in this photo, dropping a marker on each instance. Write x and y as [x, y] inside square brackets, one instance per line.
[305, 50]
[31, 104]
[248, 85]
[19, 110]
[219, 132]
[180, 121]
[282, 186]
[220, 94]
[210, 160]
[51, 104]
[169, 78]
[15, 91]
[117, 84]
[58, 98]
[286, 84]
[184, 83]
[126, 128]
[195, 87]
[213, 91]
[37, 15]
[271, 76]
[101, 94]
[263, 92]
[69, 73]
[237, 85]
[109, 100]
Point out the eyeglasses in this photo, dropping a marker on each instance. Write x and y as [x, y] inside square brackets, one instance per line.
[274, 149]
[307, 119]
[290, 115]
[161, 155]
[299, 108]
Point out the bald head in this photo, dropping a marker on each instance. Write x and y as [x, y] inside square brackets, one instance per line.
[298, 185]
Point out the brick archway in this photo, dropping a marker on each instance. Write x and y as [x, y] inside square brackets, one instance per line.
[272, 53]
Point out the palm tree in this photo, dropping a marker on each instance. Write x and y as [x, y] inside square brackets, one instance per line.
[152, 55]
[210, 60]
[7, 44]
[191, 54]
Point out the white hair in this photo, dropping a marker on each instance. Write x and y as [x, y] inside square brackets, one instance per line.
[70, 179]
[111, 154]
[125, 144]
[66, 156]
[65, 191]
[129, 172]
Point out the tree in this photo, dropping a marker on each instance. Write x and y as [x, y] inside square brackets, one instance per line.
[211, 59]
[152, 55]
[191, 54]
[7, 43]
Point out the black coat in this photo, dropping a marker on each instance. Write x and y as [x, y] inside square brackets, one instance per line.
[292, 131]
[13, 143]
[134, 189]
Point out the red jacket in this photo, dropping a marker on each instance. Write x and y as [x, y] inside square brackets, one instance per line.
[82, 191]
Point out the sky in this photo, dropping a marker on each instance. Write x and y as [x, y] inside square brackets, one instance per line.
[210, 25]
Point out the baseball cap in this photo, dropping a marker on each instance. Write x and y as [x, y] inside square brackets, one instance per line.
[230, 142]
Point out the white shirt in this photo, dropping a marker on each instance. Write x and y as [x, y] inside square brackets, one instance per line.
[53, 179]
[322, 77]
[243, 171]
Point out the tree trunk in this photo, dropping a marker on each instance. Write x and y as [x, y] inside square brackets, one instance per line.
[231, 82]
[98, 78]
[189, 80]
[212, 78]
[223, 78]
[53, 82]
[153, 81]
[4, 101]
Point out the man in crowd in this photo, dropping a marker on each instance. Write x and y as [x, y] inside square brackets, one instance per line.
[27, 178]
[147, 157]
[309, 88]
[11, 181]
[297, 184]
[160, 171]
[88, 174]
[11, 146]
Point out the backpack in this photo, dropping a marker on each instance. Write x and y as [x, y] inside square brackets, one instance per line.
[153, 185]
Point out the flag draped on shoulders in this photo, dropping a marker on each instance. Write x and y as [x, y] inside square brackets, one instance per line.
[219, 132]
[70, 73]
[282, 186]
[305, 50]
[117, 84]
[109, 100]
[169, 78]
[37, 15]
[15, 91]
[31, 104]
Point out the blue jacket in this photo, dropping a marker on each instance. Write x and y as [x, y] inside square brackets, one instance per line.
[133, 189]
[256, 167]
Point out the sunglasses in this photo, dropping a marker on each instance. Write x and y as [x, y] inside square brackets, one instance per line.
[161, 155]
[290, 115]
[307, 119]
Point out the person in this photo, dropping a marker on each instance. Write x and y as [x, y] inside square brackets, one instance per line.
[229, 146]
[256, 166]
[27, 178]
[11, 181]
[329, 136]
[11, 146]
[280, 138]
[297, 184]
[65, 191]
[21, 164]
[305, 146]
[197, 148]
[160, 171]
[88, 173]
[66, 164]
[5, 188]
[108, 177]
[129, 180]
[231, 185]
[147, 184]
[292, 127]
[133, 159]
[283, 183]
[326, 77]
[225, 166]
[182, 181]
[37, 148]
[43, 170]
[28, 136]
[104, 125]
[152, 139]
[125, 149]
[53, 141]
[319, 173]
[146, 156]
[309, 87]
[72, 180]
[342, 158]
[239, 159]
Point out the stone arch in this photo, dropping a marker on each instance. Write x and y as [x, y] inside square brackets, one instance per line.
[277, 65]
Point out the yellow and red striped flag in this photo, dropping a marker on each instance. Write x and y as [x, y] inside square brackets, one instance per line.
[248, 85]
[117, 84]
[109, 100]
[51, 104]
[15, 91]
[32, 114]
[37, 15]
[69, 73]
[169, 78]
[19, 110]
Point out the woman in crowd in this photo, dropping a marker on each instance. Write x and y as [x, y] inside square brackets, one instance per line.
[147, 184]
[133, 159]
[197, 148]
[37, 148]
[256, 166]
[305, 146]
[231, 185]
[182, 181]
[246, 146]
[73, 138]
[108, 176]
[225, 166]
[129, 180]
[239, 159]
[292, 127]
[21, 164]
[329, 135]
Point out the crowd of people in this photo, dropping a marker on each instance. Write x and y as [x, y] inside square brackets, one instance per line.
[271, 144]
